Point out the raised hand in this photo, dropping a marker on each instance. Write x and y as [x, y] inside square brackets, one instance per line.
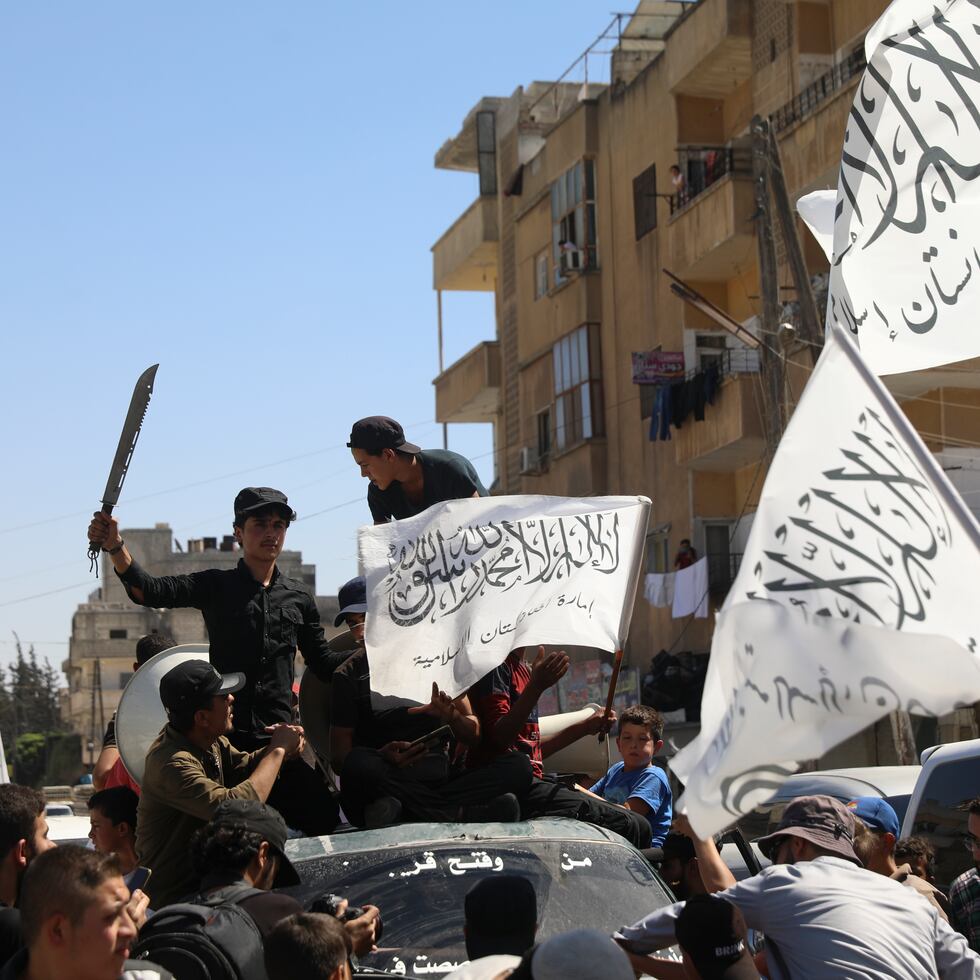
[442, 706]
[548, 669]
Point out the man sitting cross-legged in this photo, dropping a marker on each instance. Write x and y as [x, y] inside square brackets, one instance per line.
[192, 767]
[506, 704]
[384, 778]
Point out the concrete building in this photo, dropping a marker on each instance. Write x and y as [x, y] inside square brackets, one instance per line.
[576, 218]
[105, 629]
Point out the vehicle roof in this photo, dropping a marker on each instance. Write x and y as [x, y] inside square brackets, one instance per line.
[416, 834]
[65, 828]
[850, 783]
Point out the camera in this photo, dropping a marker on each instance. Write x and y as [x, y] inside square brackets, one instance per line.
[329, 904]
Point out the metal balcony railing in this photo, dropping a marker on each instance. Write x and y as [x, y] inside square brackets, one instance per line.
[819, 91]
[702, 166]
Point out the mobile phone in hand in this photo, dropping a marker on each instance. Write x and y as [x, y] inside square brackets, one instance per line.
[434, 738]
[139, 878]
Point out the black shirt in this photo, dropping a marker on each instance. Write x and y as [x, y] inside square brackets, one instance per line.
[252, 629]
[266, 910]
[351, 707]
[445, 476]
[11, 936]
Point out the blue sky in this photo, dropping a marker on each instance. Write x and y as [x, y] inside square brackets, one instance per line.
[245, 193]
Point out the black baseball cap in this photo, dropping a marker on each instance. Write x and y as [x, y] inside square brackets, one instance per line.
[193, 682]
[712, 933]
[378, 432]
[352, 598]
[260, 818]
[258, 498]
[501, 912]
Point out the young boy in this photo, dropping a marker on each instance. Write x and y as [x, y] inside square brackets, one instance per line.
[636, 783]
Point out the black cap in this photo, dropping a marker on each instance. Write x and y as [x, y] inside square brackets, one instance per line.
[258, 498]
[193, 682]
[352, 598]
[712, 933]
[378, 432]
[260, 818]
[500, 908]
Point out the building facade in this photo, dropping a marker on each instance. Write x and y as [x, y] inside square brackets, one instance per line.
[105, 628]
[595, 248]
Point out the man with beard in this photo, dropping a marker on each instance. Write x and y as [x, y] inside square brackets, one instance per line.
[964, 892]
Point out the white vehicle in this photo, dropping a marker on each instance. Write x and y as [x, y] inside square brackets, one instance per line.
[949, 778]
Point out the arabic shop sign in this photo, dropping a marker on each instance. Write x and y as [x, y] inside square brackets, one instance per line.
[654, 367]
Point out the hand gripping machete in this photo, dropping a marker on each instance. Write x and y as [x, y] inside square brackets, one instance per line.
[124, 451]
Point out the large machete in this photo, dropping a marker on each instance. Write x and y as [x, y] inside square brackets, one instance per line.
[124, 451]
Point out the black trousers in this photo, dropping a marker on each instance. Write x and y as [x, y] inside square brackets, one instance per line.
[428, 790]
[550, 799]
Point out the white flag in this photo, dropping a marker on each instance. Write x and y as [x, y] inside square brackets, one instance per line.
[856, 596]
[905, 276]
[451, 591]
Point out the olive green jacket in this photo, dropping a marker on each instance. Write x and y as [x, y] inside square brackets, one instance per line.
[182, 786]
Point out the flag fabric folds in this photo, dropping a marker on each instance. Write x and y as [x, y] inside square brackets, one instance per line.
[856, 596]
[905, 274]
[451, 591]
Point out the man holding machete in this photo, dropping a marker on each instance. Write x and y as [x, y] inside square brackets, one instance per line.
[255, 617]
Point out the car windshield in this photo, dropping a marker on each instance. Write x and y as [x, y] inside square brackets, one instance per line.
[420, 890]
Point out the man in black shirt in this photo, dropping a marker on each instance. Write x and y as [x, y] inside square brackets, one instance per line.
[405, 480]
[383, 776]
[255, 618]
[23, 836]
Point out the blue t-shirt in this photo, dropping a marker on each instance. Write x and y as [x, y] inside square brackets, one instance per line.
[650, 785]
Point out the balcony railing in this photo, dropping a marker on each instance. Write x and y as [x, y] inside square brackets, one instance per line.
[819, 91]
[702, 166]
[722, 569]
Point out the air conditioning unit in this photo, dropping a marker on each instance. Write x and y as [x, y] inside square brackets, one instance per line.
[529, 460]
[571, 260]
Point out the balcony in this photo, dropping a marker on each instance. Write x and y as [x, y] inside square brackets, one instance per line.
[731, 435]
[814, 95]
[710, 51]
[469, 390]
[465, 258]
[711, 218]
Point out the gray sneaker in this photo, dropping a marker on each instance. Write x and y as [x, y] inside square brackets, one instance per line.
[383, 812]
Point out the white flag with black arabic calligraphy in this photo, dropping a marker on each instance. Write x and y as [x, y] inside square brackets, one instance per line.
[856, 596]
[905, 274]
[451, 591]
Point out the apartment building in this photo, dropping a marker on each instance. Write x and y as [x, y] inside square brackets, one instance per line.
[578, 213]
[105, 628]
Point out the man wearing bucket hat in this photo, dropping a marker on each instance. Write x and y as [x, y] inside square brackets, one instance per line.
[256, 618]
[822, 913]
[405, 479]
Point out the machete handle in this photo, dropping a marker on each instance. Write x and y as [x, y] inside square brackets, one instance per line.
[94, 550]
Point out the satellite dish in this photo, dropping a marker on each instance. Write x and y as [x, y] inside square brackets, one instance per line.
[141, 715]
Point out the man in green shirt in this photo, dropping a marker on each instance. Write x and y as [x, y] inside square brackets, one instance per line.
[405, 480]
[192, 767]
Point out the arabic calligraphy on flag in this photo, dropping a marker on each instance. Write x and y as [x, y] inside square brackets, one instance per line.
[856, 596]
[905, 274]
[454, 589]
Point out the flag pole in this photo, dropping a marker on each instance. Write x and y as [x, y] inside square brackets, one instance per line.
[613, 680]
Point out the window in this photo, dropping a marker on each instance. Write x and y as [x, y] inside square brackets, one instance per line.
[541, 274]
[645, 201]
[578, 390]
[124, 677]
[486, 146]
[544, 436]
[117, 634]
[658, 552]
[573, 220]
[710, 350]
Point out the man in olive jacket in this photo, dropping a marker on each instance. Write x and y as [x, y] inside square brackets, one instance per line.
[192, 767]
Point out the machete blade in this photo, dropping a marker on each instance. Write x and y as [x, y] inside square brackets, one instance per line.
[130, 433]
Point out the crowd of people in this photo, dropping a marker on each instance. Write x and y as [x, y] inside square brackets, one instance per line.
[186, 866]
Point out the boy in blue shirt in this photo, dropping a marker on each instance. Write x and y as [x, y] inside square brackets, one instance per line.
[635, 783]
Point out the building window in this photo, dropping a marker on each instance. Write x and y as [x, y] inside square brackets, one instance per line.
[544, 436]
[658, 553]
[645, 201]
[117, 634]
[573, 220]
[578, 388]
[710, 350]
[124, 677]
[541, 274]
[486, 146]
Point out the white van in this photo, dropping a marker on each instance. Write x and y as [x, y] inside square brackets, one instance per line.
[949, 778]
